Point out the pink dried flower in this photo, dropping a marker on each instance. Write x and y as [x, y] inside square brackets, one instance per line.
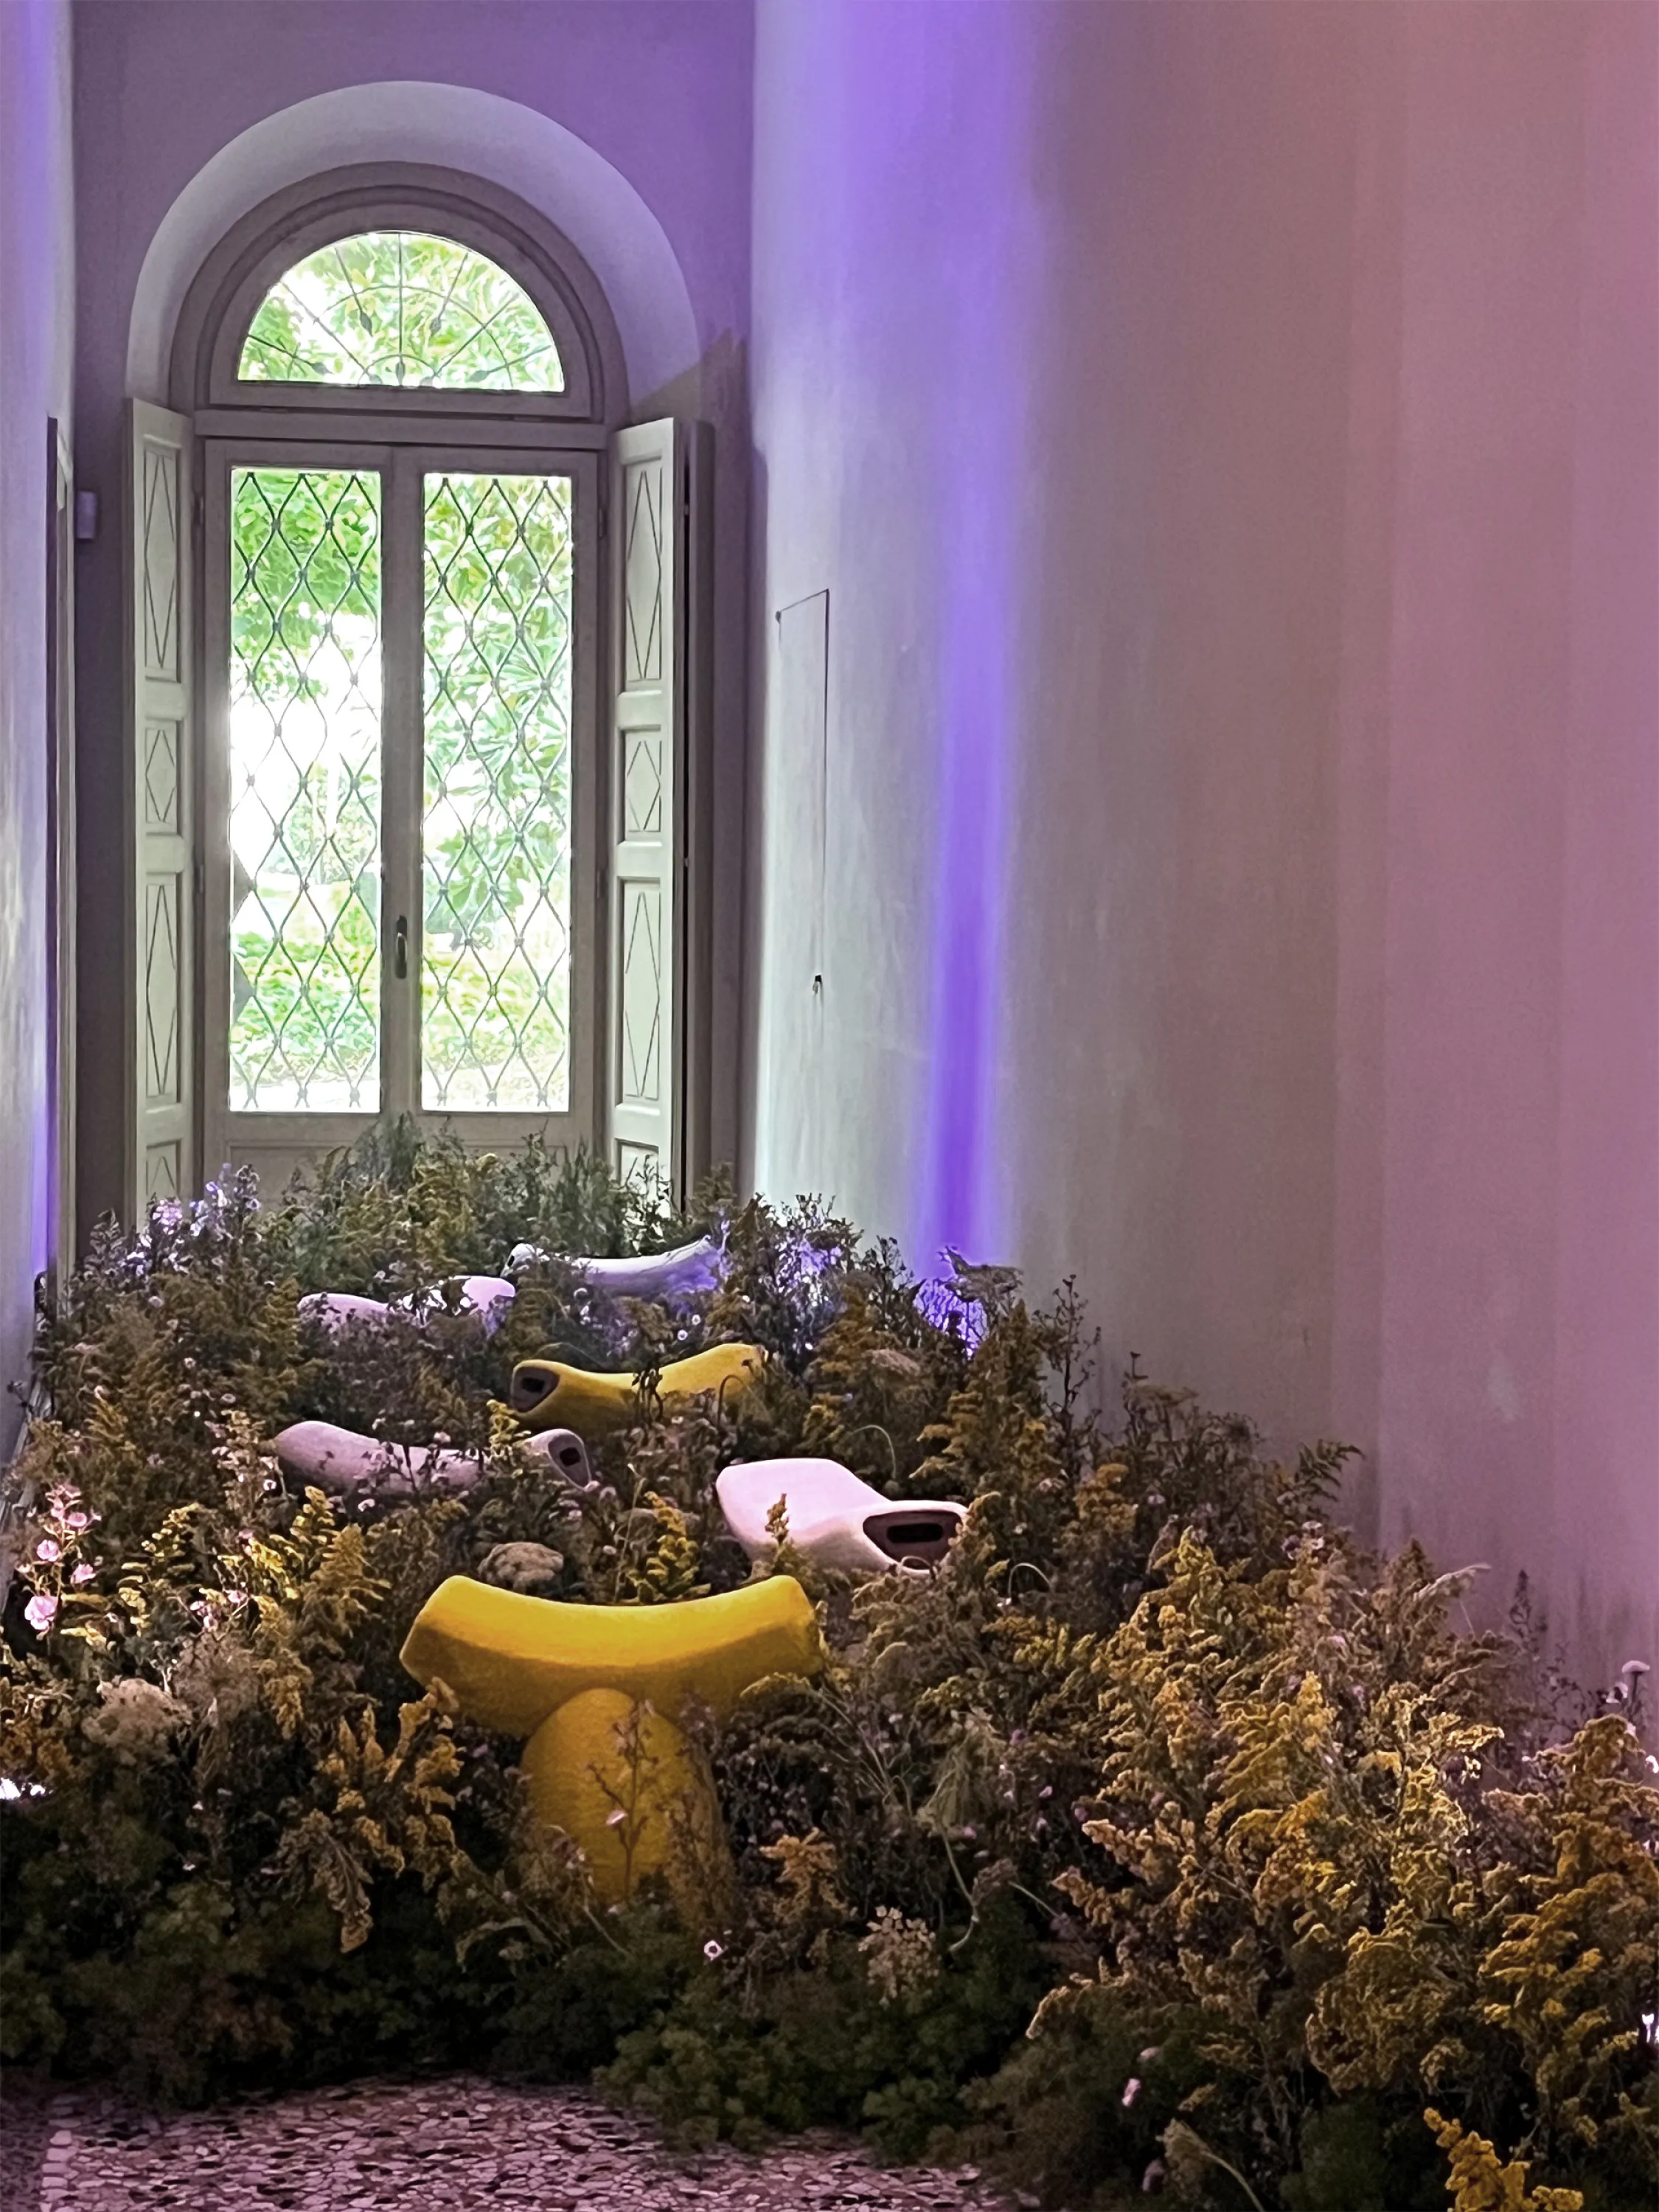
[48, 1550]
[40, 1612]
[1131, 2090]
[77, 1521]
[83, 1573]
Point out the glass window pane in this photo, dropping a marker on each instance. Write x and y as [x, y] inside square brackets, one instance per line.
[403, 308]
[305, 791]
[496, 945]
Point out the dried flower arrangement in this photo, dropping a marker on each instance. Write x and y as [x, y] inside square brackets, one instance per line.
[1160, 1841]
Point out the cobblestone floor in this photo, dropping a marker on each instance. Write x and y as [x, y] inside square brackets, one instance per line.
[459, 2145]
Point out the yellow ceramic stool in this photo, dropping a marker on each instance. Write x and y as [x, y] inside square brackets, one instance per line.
[549, 1393]
[597, 1690]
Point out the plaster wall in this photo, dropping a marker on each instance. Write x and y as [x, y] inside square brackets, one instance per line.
[660, 89]
[36, 348]
[1226, 435]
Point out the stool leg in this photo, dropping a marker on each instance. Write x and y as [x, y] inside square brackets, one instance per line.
[622, 1779]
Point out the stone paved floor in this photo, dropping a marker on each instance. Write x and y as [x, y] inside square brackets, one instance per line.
[460, 2145]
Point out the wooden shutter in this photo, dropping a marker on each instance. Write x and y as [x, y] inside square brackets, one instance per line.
[161, 738]
[645, 797]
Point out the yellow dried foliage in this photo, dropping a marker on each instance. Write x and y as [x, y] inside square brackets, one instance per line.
[1482, 2182]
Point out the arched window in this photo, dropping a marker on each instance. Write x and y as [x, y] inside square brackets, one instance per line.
[404, 308]
[428, 882]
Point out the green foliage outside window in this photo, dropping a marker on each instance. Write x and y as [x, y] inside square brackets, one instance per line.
[305, 789]
[496, 818]
[401, 307]
[1162, 1839]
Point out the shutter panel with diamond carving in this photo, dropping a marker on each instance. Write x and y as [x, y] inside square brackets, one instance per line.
[157, 520]
[647, 784]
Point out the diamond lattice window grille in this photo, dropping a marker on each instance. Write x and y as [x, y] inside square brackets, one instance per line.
[404, 308]
[305, 785]
[496, 944]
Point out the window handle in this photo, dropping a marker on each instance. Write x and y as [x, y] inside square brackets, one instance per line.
[400, 948]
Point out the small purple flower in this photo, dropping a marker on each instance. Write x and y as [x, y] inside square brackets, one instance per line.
[40, 1612]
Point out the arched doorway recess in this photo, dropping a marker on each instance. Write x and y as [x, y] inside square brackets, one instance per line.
[411, 620]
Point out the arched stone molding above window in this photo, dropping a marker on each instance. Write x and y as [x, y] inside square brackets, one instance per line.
[566, 182]
[286, 229]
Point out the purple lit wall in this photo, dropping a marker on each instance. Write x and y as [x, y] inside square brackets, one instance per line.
[1227, 436]
[36, 339]
[896, 248]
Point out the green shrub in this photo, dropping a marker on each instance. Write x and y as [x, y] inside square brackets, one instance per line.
[1161, 1837]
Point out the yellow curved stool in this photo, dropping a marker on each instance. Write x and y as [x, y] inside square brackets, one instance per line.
[597, 1690]
[546, 1394]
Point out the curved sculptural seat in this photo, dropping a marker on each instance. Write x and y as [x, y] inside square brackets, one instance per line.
[546, 1393]
[835, 1518]
[484, 1298]
[597, 1690]
[512, 1660]
[346, 1462]
[657, 1276]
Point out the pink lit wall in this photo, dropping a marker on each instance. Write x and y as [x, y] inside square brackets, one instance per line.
[36, 339]
[661, 89]
[1226, 433]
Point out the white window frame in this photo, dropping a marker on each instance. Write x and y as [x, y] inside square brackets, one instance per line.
[402, 433]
